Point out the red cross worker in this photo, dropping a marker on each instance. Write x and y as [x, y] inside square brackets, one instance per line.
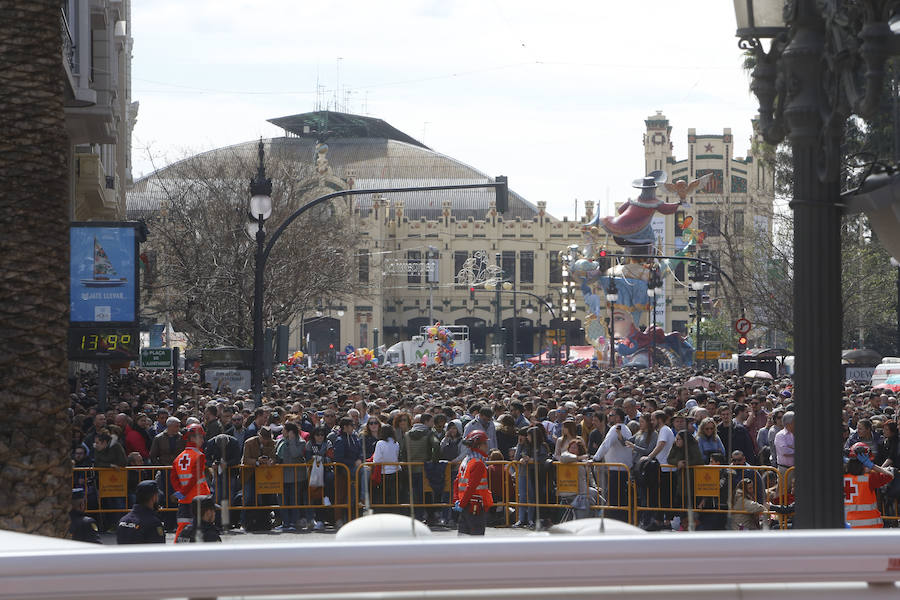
[189, 475]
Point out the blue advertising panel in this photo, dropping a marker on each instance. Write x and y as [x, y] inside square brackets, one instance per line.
[103, 273]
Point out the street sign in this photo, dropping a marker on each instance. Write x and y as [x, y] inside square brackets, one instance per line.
[156, 358]
[743, 326]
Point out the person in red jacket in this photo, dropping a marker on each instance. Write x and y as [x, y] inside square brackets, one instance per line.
[189, 475]
[132, 439]
[471, 492]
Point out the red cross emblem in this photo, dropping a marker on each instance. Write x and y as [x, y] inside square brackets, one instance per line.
[185, 462]
[850, 489]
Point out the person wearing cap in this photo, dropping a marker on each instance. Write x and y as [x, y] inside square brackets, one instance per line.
[204, 524]
[82, 528]
[142, 525]
[188, 475]
[259, 451]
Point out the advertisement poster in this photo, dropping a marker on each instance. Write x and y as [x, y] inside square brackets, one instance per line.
[102, 274]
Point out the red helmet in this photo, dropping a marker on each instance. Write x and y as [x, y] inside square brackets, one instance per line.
[859, 449]
[192, 430]
[475, 438]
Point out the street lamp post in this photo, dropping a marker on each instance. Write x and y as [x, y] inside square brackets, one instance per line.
[698, 287]
[612, 296]
[260, 209]
[654, 284]
[825, 63]
[896, 264]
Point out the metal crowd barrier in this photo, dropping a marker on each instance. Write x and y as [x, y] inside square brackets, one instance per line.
[409, 487]
[703, 492]
[111, 490]
[565, 490]
[559, 491]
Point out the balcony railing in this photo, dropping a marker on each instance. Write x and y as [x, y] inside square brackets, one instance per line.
[68, 44]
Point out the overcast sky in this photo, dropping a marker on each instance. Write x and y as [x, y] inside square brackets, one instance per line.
[551, 94]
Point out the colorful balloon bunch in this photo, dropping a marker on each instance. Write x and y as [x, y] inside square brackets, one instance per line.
[362, 357]
[296, 359]
[446, 350]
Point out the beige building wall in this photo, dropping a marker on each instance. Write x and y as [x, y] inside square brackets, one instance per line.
[739, 198]
[392, 303]
[96, 56]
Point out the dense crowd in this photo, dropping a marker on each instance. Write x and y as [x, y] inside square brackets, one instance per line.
[649, 426]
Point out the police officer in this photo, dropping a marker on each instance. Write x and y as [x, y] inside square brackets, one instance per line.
[82, 528]
[204, 509]
[142, 525]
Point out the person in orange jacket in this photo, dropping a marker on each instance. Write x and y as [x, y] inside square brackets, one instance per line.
[861, 479]
[189, 476]
[471, 493]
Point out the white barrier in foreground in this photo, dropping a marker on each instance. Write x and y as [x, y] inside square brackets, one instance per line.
[444, 566]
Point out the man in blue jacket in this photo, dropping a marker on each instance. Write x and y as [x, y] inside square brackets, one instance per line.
[347, 451]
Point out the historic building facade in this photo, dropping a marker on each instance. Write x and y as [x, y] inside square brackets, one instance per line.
[96, 58]
[411, 247]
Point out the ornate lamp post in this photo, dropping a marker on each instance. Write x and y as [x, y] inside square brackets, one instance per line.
[612, 296]
[260, 209]
[896, 264]
[825, 62]
[654, 284]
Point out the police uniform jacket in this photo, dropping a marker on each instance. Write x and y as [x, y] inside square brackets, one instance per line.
[83, 528]
[140, 526]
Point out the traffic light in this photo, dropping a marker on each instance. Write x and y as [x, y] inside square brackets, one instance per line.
[693, 271]
[742, 343]
[331, 346]
[603, 253]
[472, 293]
[502, 191]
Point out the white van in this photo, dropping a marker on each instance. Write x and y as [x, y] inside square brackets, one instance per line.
[890, 365]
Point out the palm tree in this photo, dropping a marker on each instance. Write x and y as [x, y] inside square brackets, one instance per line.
[35, 433]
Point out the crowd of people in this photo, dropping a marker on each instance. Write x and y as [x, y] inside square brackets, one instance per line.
[646, 426]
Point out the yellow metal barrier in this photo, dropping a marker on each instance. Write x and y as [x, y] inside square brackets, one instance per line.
[785, 496]
[113, 484]
[269, 490]
[703, 492]
[570, 489]
[407, 488]
[560, 488]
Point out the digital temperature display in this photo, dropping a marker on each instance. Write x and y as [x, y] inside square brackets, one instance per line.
[93, 343]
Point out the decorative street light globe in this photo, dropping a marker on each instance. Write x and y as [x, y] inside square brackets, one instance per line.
[340, 313]
[697, 286]
[261, 204]
[490, 286]
[507, 285]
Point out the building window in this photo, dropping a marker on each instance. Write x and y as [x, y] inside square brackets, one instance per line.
[680, 326]
[363, 258]
[526, 266]
[708, 222]
[363, 335]
[508, 264]
[679, 271]
[738, 222]
[555, 269]
[459, 260]
[414, 266]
